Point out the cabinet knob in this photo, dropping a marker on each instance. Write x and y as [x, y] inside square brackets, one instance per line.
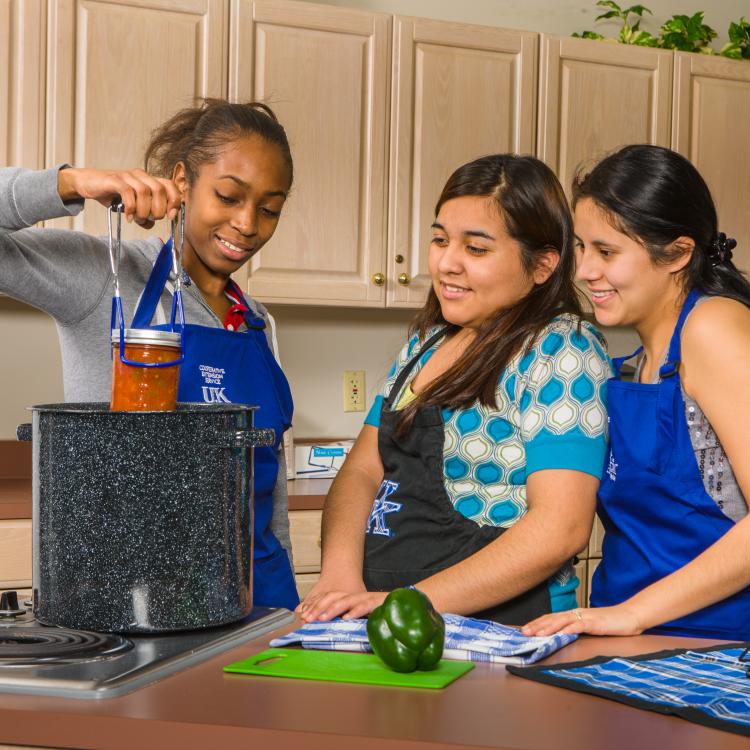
[378, 279]
[399, 259]
[403, 279]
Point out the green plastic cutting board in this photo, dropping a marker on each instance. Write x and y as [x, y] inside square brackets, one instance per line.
[339, 666]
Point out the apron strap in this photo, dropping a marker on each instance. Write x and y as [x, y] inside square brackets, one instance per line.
[618, 362]
[154, 288]
[674, 356]
[144, 313]
[252, 321]
[410, 365]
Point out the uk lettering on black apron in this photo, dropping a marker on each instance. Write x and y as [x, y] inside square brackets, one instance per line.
[414, 531]
[238, 367]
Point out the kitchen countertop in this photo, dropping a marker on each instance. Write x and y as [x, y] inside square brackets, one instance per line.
[204, 707]
[15, 496]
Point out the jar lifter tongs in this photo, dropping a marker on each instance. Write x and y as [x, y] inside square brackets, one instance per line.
[117, 319]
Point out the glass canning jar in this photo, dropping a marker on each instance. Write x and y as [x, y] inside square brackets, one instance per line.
[138, 388]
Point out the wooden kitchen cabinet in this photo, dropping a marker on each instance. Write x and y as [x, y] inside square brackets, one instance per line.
[22, 82]
[582, 597]
[119, 68]
[304, 531]
[595, 97]
[325, 72]
[459, 92]
[456, 92]
[15, 553]
[710, 127]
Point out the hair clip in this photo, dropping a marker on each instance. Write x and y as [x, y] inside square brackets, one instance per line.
[721, 249]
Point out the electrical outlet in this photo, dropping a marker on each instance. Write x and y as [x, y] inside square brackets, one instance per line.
[354, 390]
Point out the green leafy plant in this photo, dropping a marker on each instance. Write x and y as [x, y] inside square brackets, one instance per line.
[738, 46]
[688, 34]
[681, 32]
[630, 31]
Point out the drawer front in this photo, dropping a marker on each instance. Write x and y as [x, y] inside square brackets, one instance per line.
[305, 582]
[582, 592]
[597, 536]
[15, 553]
[304, 530]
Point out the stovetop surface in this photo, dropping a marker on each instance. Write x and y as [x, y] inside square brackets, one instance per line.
[45, 660]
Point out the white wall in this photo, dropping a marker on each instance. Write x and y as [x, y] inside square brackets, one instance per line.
[554, 16]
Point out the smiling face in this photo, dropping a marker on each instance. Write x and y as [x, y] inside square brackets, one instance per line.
[233, 207]
[475, 265]
[625, 285]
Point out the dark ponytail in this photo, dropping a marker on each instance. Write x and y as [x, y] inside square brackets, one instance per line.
[654, 195]
[195, 135]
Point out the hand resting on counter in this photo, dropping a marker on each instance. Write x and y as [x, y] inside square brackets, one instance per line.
[326, 601]
[619, 620]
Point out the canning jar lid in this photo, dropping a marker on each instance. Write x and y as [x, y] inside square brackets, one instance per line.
[145, 336]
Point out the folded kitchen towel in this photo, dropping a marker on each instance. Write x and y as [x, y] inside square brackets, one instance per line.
[465, 639]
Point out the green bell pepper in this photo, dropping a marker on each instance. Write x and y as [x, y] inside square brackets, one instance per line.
[406, 632]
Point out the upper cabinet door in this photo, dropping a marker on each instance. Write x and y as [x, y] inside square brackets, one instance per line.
[119, 68]
[325, 72]
[711, 127]
[22, 54]
[459, 92]
[597, 96]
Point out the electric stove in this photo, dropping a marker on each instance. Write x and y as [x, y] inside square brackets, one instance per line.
[47, 660]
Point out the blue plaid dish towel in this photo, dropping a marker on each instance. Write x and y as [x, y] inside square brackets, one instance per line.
[466, 639]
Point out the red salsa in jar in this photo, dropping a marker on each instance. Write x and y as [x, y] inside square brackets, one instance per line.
[137, 388]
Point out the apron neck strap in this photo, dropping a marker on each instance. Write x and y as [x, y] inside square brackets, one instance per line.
[144, 313]
[674, 356]
[411, 364]
[618, 362]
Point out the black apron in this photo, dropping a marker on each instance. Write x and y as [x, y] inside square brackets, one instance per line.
[413, 530]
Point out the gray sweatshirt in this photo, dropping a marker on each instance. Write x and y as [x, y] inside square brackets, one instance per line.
[67, 275]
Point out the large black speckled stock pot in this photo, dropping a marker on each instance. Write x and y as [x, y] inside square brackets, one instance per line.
[142, 521]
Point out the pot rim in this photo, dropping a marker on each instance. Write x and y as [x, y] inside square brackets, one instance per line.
[102, 407]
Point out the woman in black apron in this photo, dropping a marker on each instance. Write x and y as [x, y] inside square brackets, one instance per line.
[474, 477]
[673, 498]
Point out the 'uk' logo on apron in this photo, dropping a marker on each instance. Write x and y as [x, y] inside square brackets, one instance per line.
[377, 523]
[213, 391]
[612, 468]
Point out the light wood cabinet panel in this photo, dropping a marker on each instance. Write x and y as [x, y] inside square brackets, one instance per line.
[582, 592]
[595, 97]
[305, 582]
[325, 72]
[15, 553]
[597, 537]
[459, 92]
[22, 87]
[711, 127]
[304, 530]
[118, 69]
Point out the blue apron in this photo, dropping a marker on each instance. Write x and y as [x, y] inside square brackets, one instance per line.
[238, 367]
[652, 502]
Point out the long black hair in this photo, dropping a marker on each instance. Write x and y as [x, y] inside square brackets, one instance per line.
[654, 195]
[532, 204]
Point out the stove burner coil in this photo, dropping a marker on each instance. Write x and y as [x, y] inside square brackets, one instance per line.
[45, 645]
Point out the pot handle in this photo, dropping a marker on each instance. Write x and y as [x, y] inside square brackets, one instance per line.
[250, 438]
[23, 432]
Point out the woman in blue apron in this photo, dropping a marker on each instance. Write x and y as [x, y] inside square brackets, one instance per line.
[675, 558]
[230, 166]
[475, 474]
